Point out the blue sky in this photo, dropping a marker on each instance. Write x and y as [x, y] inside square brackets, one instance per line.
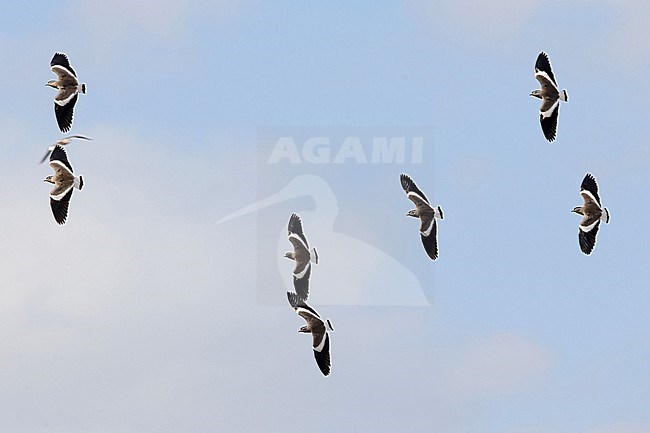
[150, 310]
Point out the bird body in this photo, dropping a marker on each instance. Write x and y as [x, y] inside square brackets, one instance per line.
[62, 142]
[318, 328]
[592, 214]
[302, 255]
[550, 96]
[64, 182]
[68, 89]
[426, 213]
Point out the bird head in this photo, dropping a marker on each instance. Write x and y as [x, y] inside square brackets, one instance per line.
[412, 213]
[289, 255]
[48, 179]
[578, 210]
[52, 83]
[536, 93]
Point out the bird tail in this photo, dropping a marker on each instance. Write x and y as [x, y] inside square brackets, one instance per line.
[313, 255]
[564, 96]
[79, 182]
[605, 215]
[329, 325]
[83, 88]
[437, 213]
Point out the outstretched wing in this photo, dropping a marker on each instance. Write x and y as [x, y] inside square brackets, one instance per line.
[587, 239]
[60, 65]
[295, 228]
[301, 283]
[430, 239]
[65, 112]
[411, 190]
[589, 189]
[294, 300]
[49, 151]
[59, 155]
[321, 345]
[60, 207]
[548, 118]
[543, 69]
[415, 195]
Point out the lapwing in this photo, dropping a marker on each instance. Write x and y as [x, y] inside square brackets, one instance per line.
[592, 214]
[302, 255]
[426, 213]
[318, 328]
[64, 182]
[68, 89]
[62, 142]
[550, 95]
[325, 209]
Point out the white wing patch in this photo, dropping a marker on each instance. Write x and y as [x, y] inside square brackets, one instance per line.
[63, 102]
[309, 312]
[304, 271]
[546, 76]
[589, 227]
[58, 197]
[549, 112]
[62, 70]
[589, 195]
[61, 165]
[295, 236]
[320, 346]
[416, 195]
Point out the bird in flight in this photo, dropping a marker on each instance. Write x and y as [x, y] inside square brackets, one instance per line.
[318, 328]
[68, 89]
[592, 214]
[550, 95]
[426, 214]
[302, 255]
[62, 142]
[64, 182]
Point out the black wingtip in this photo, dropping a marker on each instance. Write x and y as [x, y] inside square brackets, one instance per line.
[59, 59]
[323, 358]
[58, 153]
[406, 181]
[293, 220]
[294, 300]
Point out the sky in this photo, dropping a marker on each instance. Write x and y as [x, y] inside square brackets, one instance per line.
[160, 306]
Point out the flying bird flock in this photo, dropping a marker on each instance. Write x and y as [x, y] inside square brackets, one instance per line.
[315, 326]
[65, 99]
[65, 182]
[428, 214]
